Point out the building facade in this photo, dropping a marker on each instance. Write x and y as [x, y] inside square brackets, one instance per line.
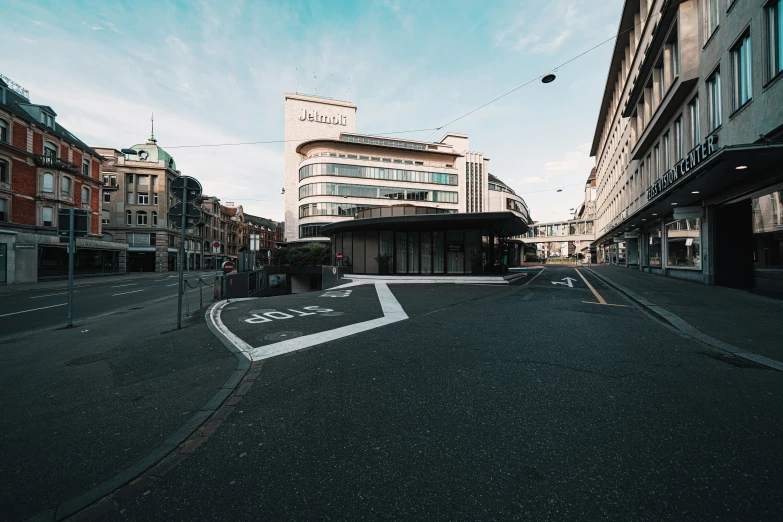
[689, 143]
[332, 173]
[136, 201]
[44, 168]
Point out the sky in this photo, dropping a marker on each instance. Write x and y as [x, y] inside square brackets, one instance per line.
[216, 72]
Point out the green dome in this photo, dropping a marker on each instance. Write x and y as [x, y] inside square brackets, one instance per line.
[150, 151]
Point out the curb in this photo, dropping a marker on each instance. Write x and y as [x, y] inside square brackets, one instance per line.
[136, 479]
[686, 328]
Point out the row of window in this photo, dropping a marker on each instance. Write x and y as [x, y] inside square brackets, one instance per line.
[142, 198]
[66, 186]
[501, 188]
[561, 229]
[356, 171]
[366, 191]
[141, 218]
[311, 230]
[337, 154]
[387, 143]
[332, 209]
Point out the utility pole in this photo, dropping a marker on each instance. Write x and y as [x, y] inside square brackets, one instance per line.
[71, 248]
[182, 253]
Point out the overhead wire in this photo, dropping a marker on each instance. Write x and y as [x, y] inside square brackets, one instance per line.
[434, 129]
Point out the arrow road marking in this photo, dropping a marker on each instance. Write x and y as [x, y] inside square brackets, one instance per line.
[568, 281]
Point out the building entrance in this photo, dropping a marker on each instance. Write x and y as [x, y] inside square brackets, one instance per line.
[733, 253]
[141, 261]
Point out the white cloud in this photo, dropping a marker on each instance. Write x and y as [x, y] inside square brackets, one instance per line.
[96, 28]
[175, 44]
[578, 160]
[543, 32]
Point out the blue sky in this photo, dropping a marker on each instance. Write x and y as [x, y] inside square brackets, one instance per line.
[215, 72]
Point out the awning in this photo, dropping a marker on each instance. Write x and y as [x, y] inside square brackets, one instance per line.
[501, 224]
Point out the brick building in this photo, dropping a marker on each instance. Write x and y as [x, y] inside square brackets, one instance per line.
[44, 167]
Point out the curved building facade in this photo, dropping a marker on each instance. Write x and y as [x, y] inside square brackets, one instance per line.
[332, 173]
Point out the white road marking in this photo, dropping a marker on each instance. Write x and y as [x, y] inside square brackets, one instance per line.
[123, 293]
[175, 284]
[49, 295]
[34, 309]
[392, 313]
[120, 286]
[568, 281]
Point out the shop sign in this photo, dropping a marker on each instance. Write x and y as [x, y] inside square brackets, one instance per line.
[688, 213]
[24, 246]
[455, 247]
[684, 167]
[631, 235]
[619, 240]
[339, 119]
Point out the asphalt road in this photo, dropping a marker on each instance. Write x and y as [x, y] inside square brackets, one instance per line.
[47, 308]
[542, 400]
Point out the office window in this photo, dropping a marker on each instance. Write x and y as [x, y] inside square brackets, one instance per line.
[130, 197]
[4, 210]
[50, 151]
[105, 217]
[128, 217]
[674, 56]
[154, 198]
[86, 168]
[657, 161]
[712, 12]
[141, 217]
[48, 182]
[154, 219]
[85, 195]
[3, 171]
[742, 85]
[107, 197]
[775, 37]
[47, 216]
[66, 186]
[677, 140]
[129, 178]
[693, 122]
[714, 101]
[3, 131]
[144, 198]
[666, 152]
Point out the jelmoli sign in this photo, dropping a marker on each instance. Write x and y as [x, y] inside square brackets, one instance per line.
[306, 115]
[684, 167]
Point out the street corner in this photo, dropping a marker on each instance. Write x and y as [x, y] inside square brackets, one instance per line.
[271, 326]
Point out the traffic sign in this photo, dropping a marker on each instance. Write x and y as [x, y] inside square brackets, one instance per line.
[79, 222]
[216, 247]
[191, 210]
[228, 267]
[194, 188]
[339, 256]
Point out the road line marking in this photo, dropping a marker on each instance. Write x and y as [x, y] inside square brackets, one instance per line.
[34, 309]
[596, 294]
[175, 284]
[608, 304]
[123, 293]
[392, 313]
[120, 286]
[49, 295]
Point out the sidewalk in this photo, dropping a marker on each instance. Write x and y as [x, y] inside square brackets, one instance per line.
[62, 284]
[741, 319]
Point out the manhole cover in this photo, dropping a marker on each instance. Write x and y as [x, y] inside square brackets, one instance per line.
[87, 359]
[332, 314]
[282, 336]
[263, 311]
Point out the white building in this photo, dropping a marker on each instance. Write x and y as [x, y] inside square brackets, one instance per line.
[331, 172]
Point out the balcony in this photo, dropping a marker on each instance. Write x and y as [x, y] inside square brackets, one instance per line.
[52, 162]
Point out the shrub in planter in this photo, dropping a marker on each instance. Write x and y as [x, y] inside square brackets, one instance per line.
[477, 262]
[384, 261]
[308, 255]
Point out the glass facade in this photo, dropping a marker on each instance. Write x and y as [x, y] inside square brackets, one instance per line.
[768, 230]
[384, 142]
[332, 209]
[561, 229]
[357, 171]
[742, 86]
[367, 191]
[683, 244]
[311, 230]
[775, 37]
[654, 251]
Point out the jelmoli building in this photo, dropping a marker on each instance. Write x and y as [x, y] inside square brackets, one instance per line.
[433, 207]
[689, 143]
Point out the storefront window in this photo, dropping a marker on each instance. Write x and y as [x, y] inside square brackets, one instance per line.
[768, 230]
[426, 252]
[683, 244]
[401, 265]
[654, 248]
[413, 252]
[437, 252]
[621, 253]
[455, 244]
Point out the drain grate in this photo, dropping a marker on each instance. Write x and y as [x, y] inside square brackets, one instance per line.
[739, 362]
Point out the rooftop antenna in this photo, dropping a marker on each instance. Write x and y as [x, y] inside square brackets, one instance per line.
[152, 133]
[315, 89]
